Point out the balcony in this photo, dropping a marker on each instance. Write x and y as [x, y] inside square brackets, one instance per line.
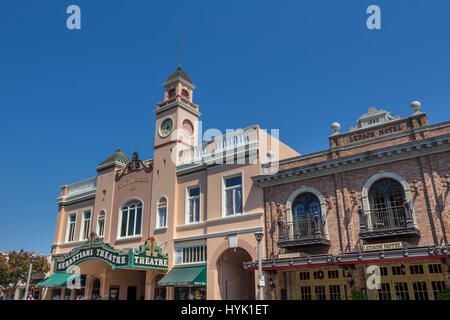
[395, 221]
[304, 231]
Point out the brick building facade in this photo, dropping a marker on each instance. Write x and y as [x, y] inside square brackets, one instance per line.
[374, 203]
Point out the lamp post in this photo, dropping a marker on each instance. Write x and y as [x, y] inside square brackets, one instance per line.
[259, 236]
[29, 277]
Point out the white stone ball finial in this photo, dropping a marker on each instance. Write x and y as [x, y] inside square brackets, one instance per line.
[415, 106]
[335, 126]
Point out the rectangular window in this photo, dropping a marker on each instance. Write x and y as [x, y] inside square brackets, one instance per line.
[416, 269]
[162, 213]
[86, 225]
[318, 275]
[305, 293]
[401, 291]
[101, 227]
[398, 270]
[304, 275]
[384, 293]
[420, 290]
[178, 255]
[435, 268]
[333, 274]
[71, 227]
[335, 292]
[437, 287]
[194, 205]
[131, 220]
[138, 219]
[123, 229]
[233, 195]
[194, 254]
[101, 224]
[320, 293]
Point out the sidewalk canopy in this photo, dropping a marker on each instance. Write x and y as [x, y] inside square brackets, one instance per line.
[59, 279]
[184, 276]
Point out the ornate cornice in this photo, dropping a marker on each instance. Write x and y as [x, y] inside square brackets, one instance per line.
[370, 158]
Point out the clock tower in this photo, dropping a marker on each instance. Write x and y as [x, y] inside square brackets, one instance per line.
[176, 129]
[177, 116]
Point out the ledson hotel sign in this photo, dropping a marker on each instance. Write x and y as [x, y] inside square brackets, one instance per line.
[148, 256]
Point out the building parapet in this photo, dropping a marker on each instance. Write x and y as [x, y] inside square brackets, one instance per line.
[357, 144]
[79, 191]
[347, 162]
[213, 151]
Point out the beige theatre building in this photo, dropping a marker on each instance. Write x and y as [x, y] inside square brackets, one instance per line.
[178, 226]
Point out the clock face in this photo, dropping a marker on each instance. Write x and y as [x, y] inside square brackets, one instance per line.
[166, 127]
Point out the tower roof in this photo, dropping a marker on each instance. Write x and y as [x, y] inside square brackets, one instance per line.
[117, 156]
[179, 73]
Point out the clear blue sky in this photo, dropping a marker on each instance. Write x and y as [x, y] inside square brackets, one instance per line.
[69, 99]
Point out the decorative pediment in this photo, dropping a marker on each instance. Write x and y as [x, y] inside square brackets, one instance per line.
[134, 165]
[373, 117]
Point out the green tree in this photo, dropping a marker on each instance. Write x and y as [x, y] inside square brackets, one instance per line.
[3, 271]
[14, 269]
[444, 295]
[358, 295]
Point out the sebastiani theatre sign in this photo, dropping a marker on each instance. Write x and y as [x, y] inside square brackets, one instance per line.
[149, 256]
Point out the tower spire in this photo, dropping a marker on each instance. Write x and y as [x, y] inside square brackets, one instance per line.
[181, 46]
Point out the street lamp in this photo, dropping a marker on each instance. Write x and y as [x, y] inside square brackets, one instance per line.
[29, 277]
[259, 236]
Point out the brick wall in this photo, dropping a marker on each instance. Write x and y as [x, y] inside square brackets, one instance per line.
[430, 202]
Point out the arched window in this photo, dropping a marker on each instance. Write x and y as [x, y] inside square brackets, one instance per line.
[101, 223]
[307, 215]
[131, 219]
[387, 198]
[172, 93]
[161, 216]
[185, 93]
[306, 205]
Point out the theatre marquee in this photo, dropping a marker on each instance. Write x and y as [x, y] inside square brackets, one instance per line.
[148, 256]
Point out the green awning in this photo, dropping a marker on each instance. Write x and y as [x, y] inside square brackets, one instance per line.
[58, 279]
[184, 276]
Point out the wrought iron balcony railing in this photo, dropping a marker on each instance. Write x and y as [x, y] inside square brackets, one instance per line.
[302, 231]
[387, 222]
[389, 218]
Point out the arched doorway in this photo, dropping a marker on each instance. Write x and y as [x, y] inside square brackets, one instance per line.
[235, 283]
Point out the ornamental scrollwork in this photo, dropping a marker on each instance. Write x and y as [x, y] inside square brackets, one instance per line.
[134, 165]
